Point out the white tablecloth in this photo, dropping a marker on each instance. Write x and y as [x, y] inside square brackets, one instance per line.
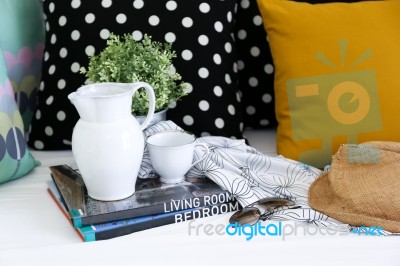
[33, 231]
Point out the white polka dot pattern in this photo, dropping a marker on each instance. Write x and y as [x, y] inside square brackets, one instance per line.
[201, 32]
[255, 67]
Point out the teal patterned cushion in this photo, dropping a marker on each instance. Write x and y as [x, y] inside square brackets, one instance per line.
[22, 36]
[15, 158]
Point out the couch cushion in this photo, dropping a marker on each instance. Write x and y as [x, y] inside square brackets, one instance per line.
[201, 32]
[255, 67]
[336, 74]
[22, 40]
[15, 158]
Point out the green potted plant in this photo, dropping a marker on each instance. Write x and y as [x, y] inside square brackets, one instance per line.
[126, 60]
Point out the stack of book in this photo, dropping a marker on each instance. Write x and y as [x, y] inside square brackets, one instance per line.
[153, 204]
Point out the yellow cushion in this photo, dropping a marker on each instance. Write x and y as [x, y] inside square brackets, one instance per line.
[337, 74]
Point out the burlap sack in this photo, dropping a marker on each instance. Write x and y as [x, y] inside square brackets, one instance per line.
[362, 187]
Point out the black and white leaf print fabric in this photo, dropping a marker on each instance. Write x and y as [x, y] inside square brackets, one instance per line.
[251, 175]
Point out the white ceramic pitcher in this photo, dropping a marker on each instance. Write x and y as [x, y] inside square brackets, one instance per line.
[107, 141]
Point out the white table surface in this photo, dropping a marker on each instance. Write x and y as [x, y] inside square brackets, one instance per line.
[33, 231]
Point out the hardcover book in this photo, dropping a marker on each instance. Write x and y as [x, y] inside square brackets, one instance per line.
[151, 197]
[117, 228]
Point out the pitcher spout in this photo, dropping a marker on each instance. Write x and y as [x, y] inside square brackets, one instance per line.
[83, 105]
[103, 102]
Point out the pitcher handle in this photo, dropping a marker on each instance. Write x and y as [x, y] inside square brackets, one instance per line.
[205, 155]
[152, 101]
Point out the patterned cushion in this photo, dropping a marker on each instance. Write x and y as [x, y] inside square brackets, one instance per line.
[15, 158]
[201, 32]
[255, 67]
[22, 40]
[336, 75]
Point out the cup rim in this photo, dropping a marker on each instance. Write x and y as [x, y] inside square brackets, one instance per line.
[170, 131]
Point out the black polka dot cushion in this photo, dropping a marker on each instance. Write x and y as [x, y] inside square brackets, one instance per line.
[201, 32]
[255, 67]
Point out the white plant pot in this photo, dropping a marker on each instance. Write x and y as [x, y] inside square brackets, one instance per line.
[157, 117]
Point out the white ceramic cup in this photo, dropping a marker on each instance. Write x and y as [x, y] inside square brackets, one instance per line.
[171, 154]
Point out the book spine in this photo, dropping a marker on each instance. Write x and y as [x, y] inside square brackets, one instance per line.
[124, 227]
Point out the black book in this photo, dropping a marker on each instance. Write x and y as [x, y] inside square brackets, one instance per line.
[151, 197]
[103, 231]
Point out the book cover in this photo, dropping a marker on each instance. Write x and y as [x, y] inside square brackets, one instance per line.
[117, 228]
[151, 197]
